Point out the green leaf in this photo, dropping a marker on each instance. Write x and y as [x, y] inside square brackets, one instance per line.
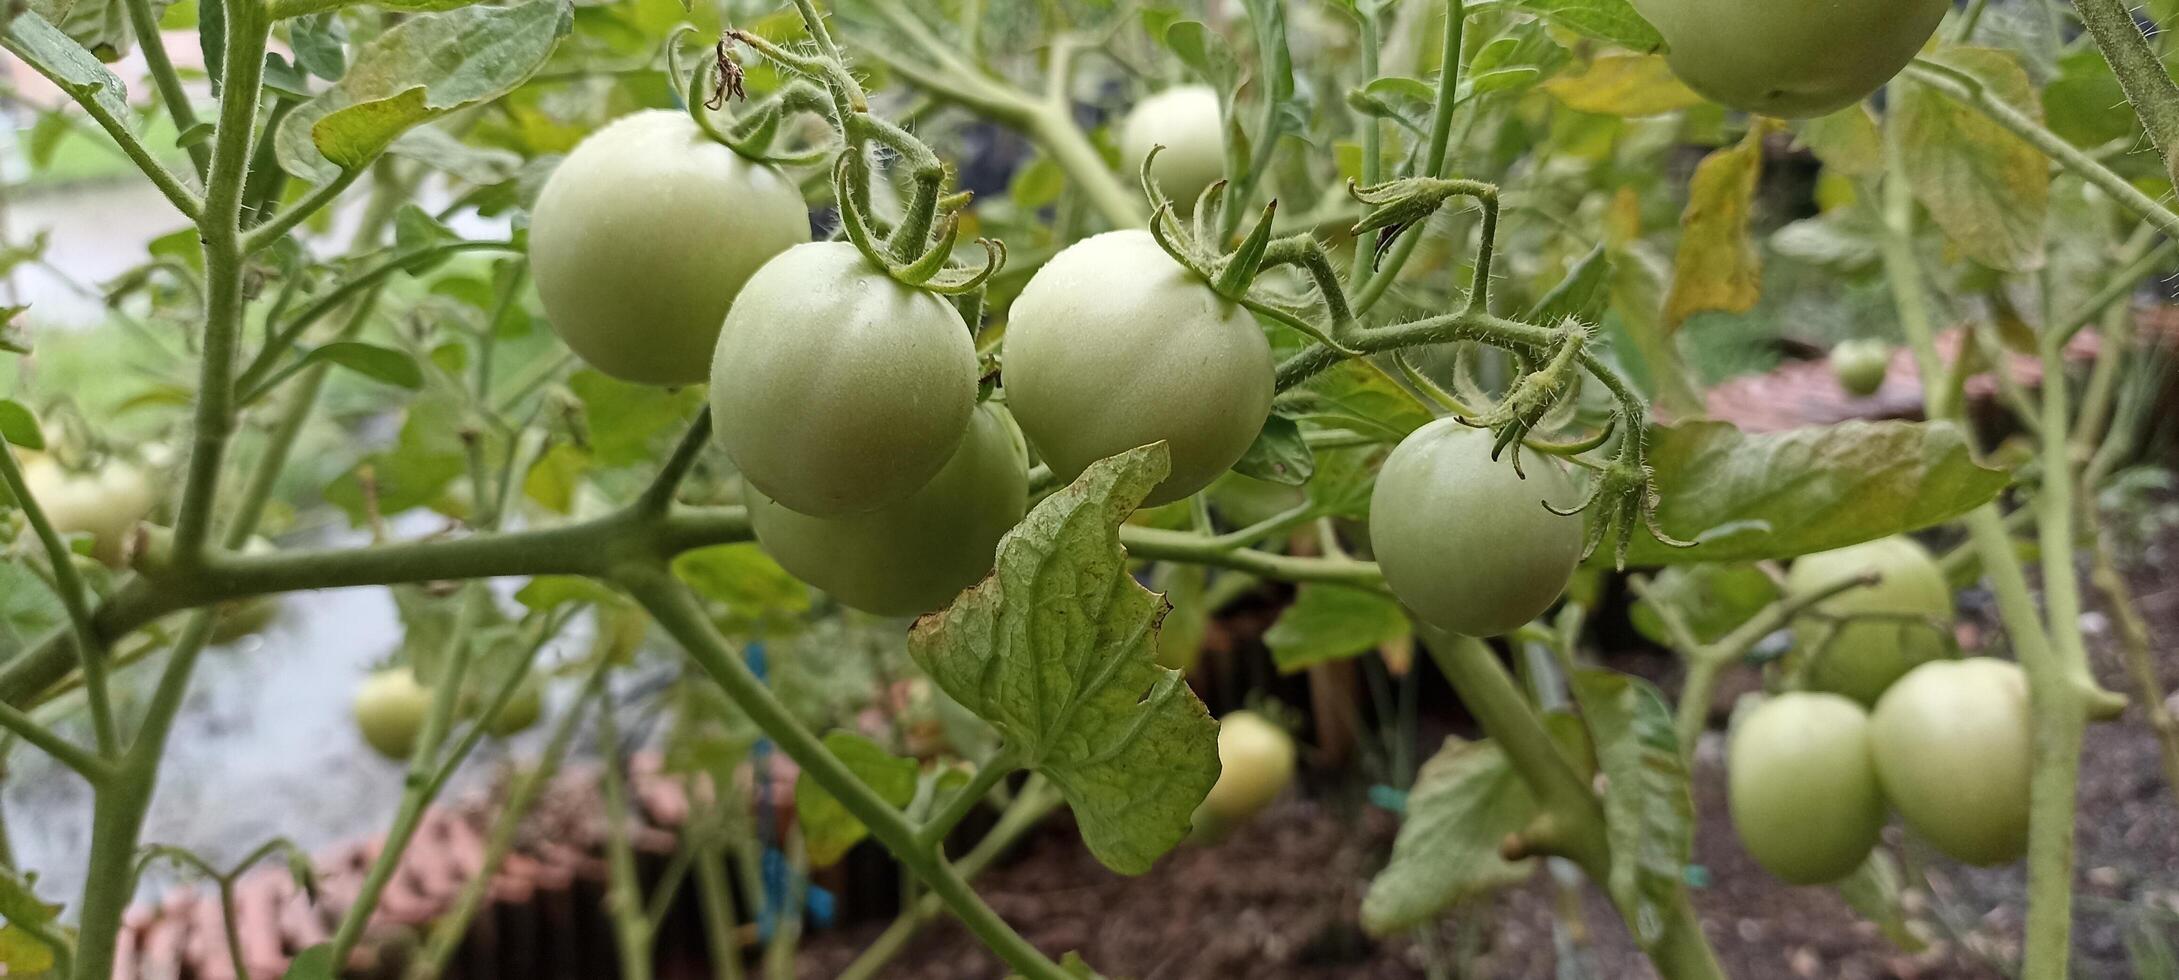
[440, 150]
[553, 591]
[1360, 397]
[2085, 103]
[1988, 189]
[744, 578]
[320, 43]
[1201, 49]
[1713, 597]
[1465, 801]
[372, 361]
[1279, 454]
[555, 477]
[1614, 21]
[1344, 480]
[828, 830]
[1718, 267]
[417, 71]
[1056, 649]
[424, 461]
[100, 26]
[1333, 622]
[28, 608]
[1621, 84]
[23, 954]
[19, 426]
[52, 53]
[627, 420]
[1581, 293]
[1846, 141]
[1778, 495]
[1649, 809]
[315, 963]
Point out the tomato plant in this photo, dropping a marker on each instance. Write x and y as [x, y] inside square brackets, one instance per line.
[1466, 541]
[1862, 640]
[1803, 787]
[644, 234]
[1114, 345]
[913, 555]
[837, 390]
[1951, 743]
[1413, 311]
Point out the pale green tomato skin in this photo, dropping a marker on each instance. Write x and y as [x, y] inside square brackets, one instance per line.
[1113, 345]
[390, 709]
[1255, 764]
[1861, 365]
[1953, 748]
[1463, 540]
[1802, 787]
[523, 708]
[1861, 658]
[106, 504]
[642, 237]
[1795, 59]
[917, 554]
[837, 390]
[1185, 120]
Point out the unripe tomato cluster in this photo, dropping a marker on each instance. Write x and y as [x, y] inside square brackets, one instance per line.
[848, 399]
[1810, 774]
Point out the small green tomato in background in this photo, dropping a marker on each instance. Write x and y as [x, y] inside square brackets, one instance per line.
[1463, 540]
[1861, 365]
[1952, 745]
[1185, 121]
[642, 237]
[105, 504]
[1860, 658]
[1113, 345]
[1791, 60]
[836, 389]
[1802, 787]
[390, 709]
[1256, 762]
[913, 555]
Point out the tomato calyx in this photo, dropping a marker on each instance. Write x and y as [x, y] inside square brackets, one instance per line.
[717, 81]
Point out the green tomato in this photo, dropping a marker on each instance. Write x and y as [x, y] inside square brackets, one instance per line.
[913, 555]
[390, 709]
[836, 389]
[1185, 121]
[1802, 788]
[1791, 60]
[1113, 345]
[642, 237]
[1952, 742]
[1464, 541]
[1860, 658]
[523, 708]
[106, 504]
[1255, 763]
[1861, 365]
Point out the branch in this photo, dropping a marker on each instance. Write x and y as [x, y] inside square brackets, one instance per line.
[2148, 85]
[90, 650]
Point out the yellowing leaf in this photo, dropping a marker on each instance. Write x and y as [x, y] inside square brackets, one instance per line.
[1846, 141]
[1717, 267]
[1987, 188]
[1624, 85]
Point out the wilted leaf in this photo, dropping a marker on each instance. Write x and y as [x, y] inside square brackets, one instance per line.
[1987, 188]
[1056, 649]
[1649, 810]
[1779, 495]
[1620, 84]
[1718, 267]
[1333, 622]
[1465, 801]
[828, 830]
